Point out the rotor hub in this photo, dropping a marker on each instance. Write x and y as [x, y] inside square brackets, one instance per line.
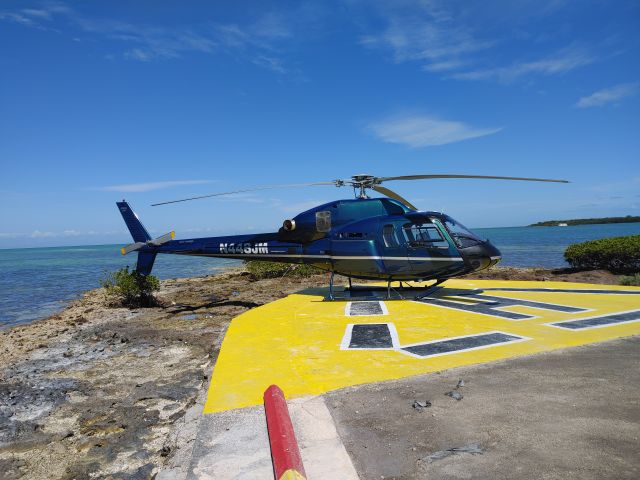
[362, 182]
[363, 179]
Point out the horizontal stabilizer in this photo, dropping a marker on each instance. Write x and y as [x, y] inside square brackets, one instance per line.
[156, 242]
[132, 247]
[167, 237]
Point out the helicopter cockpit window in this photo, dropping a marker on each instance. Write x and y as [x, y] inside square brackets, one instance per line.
[323, 221]
[389, 236]
[424, 235]
[461, 234]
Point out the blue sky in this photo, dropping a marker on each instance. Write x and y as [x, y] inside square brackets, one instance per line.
[153, 101]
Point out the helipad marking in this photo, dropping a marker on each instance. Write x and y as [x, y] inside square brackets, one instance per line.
[365, 308]
[383, 336]
[495, 306]
[599, 321]
[302, 343]
[464, 343]
[370, 336]
[598, 291]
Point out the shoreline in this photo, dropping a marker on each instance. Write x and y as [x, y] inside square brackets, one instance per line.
[101, 391]
[495, 273]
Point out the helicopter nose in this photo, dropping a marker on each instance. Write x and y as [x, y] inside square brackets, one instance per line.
[481, 256]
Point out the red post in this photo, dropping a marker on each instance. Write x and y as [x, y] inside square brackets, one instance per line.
[287, 462]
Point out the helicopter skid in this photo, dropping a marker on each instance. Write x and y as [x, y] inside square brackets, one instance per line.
[381, 292]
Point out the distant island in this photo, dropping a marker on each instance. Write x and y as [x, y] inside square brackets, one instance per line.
[586, 221]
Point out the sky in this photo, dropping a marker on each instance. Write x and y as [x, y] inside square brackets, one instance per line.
[160, 100]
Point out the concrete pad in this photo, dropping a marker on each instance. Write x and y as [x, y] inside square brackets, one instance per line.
[566, 414]
[322, 451]
[234, 445]
[308, 346]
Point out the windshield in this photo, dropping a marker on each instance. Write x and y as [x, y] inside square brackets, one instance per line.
[424, 235]
[461, 234]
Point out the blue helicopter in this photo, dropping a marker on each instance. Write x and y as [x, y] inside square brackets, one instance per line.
[383, 238]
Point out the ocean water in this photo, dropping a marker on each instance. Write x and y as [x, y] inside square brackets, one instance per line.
[545, 246]
[36, 282]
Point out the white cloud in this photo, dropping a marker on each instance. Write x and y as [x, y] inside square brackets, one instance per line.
[444, 66]
[150, 186]
[608, 95]
[255, 41]
[40, 234]
[463, 38]
[39, 13]
[17, 17]
[35, 17]
[426, 32]
[561, 62]
[424, 131]
[64, 233]
[270, 63]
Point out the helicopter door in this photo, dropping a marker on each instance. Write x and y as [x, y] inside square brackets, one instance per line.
[427, 248]
[394, 249]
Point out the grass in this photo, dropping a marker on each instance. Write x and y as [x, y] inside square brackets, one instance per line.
[260, 270]
[631, 280]
[131, 289]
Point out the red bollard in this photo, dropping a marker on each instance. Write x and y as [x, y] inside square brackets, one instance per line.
[287, 462]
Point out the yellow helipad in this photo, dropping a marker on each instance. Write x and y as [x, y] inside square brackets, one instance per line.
[308, 346]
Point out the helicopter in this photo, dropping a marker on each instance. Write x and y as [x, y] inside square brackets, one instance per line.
[383, 238]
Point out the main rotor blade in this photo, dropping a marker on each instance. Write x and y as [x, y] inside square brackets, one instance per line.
[268, 187]
[394, 195]
[486, 177]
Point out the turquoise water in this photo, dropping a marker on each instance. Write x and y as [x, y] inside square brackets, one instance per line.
[545, 246]
[37, 282]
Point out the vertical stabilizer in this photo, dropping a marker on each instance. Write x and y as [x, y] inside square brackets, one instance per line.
[137, 230]
[140, 236]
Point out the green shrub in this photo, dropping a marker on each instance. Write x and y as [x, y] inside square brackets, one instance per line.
[131, 289]
[618, 254]
[633, 280]
[259, 269]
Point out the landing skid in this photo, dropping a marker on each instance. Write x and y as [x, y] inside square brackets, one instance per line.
[400, 293]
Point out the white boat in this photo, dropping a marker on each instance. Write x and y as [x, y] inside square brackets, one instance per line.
[563, 225]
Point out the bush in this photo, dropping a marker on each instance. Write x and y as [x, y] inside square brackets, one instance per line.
[618, 254]
[633, 280]
[260, 270]
[131, 289]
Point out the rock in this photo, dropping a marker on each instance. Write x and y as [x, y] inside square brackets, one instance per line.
[455, 395]
[419, 406]
[472, 448]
